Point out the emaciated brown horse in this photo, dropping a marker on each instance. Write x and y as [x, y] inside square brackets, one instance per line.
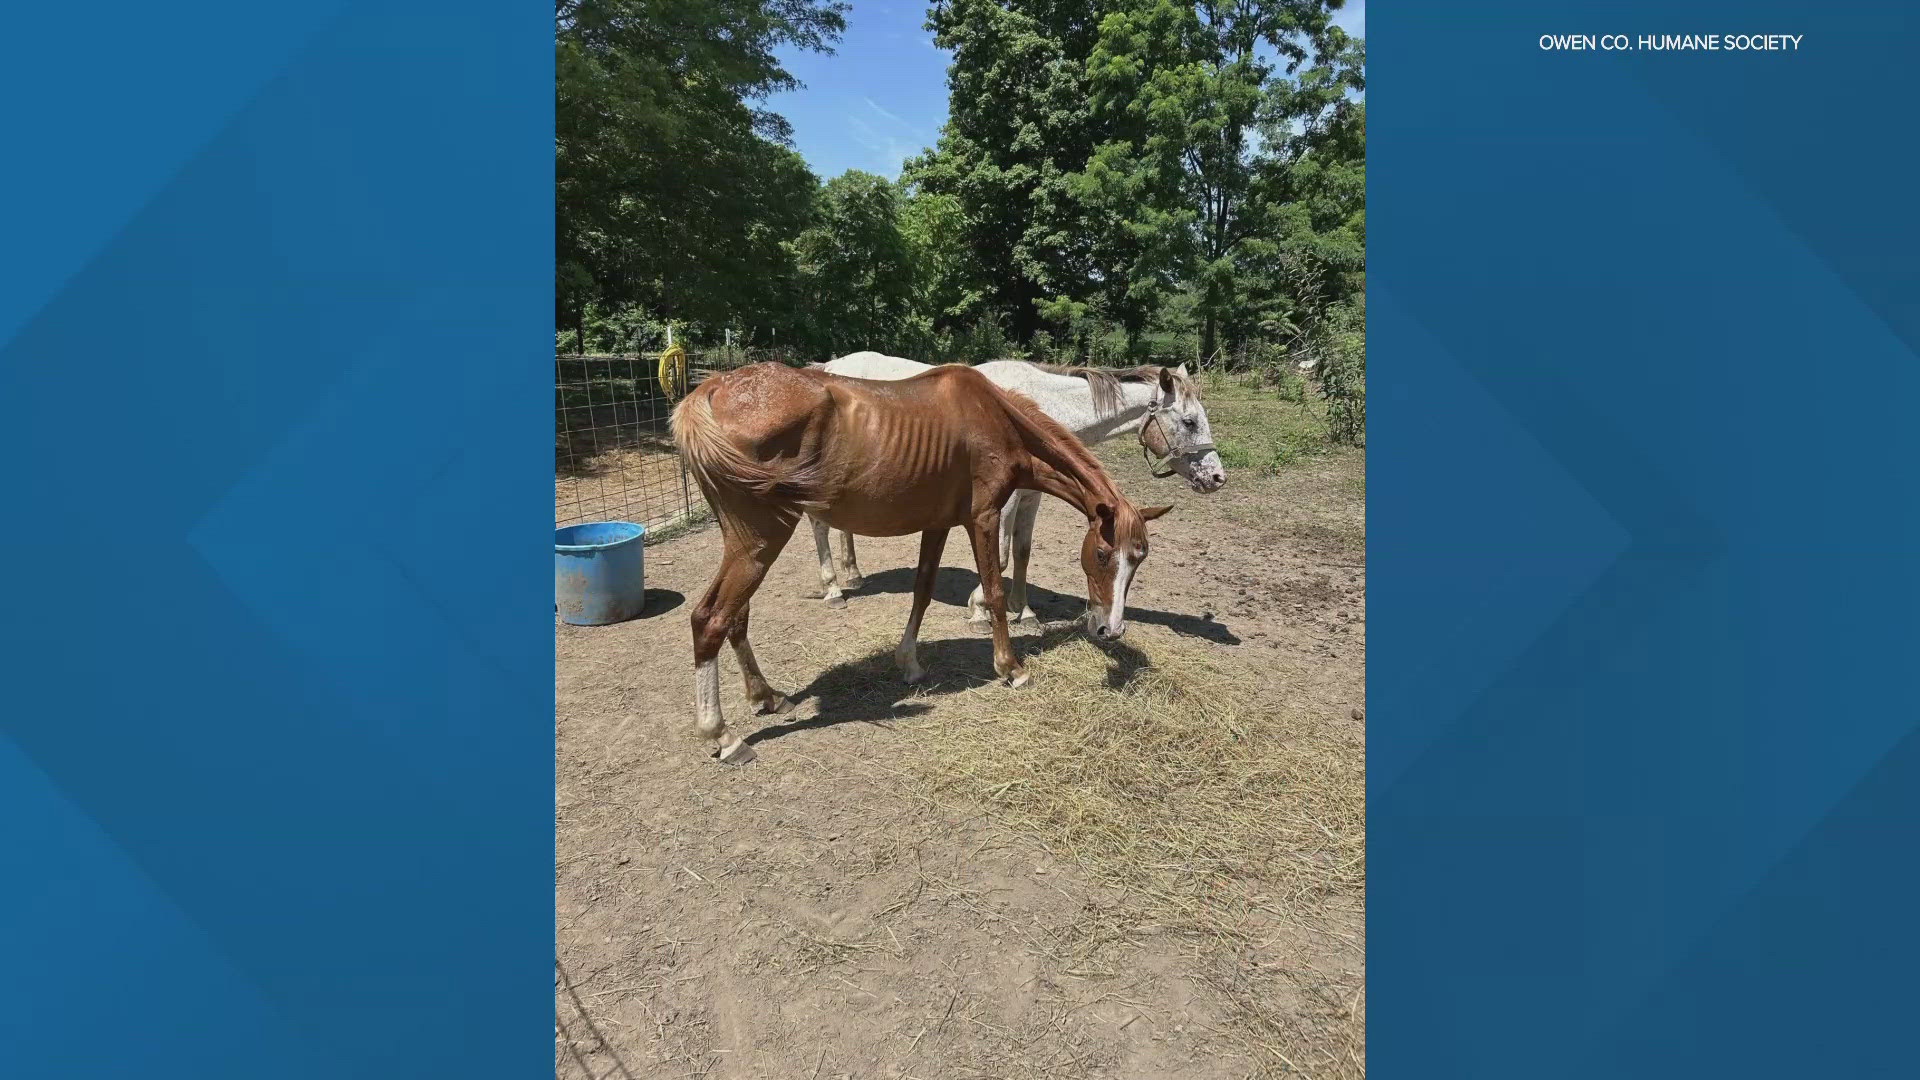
[769, 443]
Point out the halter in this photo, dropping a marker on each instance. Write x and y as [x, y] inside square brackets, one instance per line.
[1163, 467]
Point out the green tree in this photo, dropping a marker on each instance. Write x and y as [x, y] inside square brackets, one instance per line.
[1017, 127]
[854, 270]
[672, 189]
[1310, 184]
[1142, 163]
[948, 290]
[1115, 176]
[1200, 109]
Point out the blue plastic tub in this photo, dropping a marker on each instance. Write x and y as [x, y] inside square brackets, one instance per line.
[598, 572]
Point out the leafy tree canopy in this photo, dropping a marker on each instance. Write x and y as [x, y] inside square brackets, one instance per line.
[1116, 177]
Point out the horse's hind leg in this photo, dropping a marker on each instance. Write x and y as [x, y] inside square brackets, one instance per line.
[932, 543]
[765, 700]
[828, 588]
[743, 565]
[850, 575]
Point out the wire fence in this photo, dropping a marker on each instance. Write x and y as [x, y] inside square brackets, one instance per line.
[613, 455]
[614, 458]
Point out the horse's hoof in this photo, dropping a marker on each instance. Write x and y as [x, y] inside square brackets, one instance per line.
[777, 705]
[836, 601]
[913, 674]
[856, 581]
[1018, 680]
[738, 754]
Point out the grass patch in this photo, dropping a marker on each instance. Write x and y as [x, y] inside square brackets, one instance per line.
[1258, 429]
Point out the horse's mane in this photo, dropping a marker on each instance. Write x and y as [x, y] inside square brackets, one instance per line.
[1026, 413]
[1104, 383]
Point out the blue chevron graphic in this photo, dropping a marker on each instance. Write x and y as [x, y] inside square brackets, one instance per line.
[134, 104]
[1688, 282]
[280, 749]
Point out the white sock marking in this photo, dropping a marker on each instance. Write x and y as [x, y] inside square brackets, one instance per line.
[706, 698]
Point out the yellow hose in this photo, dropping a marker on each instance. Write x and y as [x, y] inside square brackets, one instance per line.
[673, 370]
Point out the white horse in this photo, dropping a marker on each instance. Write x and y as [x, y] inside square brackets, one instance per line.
[1161, 404]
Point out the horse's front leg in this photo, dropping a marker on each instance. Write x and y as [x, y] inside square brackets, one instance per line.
[932, 543]
[977, 612]
[984, 531]
[828, 588]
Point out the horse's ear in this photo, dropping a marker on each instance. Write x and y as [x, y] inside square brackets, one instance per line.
[1167, 383]
[1103, 514]
[1152, 512]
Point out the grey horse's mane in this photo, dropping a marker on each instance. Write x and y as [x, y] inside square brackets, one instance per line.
[1105, 382]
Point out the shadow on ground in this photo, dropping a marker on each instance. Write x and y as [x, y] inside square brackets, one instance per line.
[659, 602]
[870, 690]
[952, 586]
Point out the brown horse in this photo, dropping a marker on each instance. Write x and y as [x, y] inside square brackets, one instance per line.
[769, 443]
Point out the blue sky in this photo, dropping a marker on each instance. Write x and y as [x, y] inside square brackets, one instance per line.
[882, 96]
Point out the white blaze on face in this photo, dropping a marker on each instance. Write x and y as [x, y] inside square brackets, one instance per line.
[1122, 577]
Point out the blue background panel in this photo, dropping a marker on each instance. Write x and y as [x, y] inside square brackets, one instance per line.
[1642, 599]
[276, 761]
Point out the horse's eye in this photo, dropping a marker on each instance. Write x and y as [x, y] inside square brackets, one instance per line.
[1192, 424]
[1103, 555]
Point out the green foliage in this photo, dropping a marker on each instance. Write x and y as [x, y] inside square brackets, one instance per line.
[1017, 127]
[1258, 433]
[1154, 178]
[673, 192]
[853, 267]
[1118, 181]
[947, 277]
[1343, 372]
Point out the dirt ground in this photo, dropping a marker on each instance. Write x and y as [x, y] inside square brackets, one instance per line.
[816, 914]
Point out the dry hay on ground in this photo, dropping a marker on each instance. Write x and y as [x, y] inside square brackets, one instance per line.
[1174, 775]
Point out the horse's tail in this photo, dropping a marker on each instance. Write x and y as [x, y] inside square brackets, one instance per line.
[720, 465]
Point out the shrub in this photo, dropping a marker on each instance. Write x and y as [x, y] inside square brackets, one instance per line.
[1341, 347]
